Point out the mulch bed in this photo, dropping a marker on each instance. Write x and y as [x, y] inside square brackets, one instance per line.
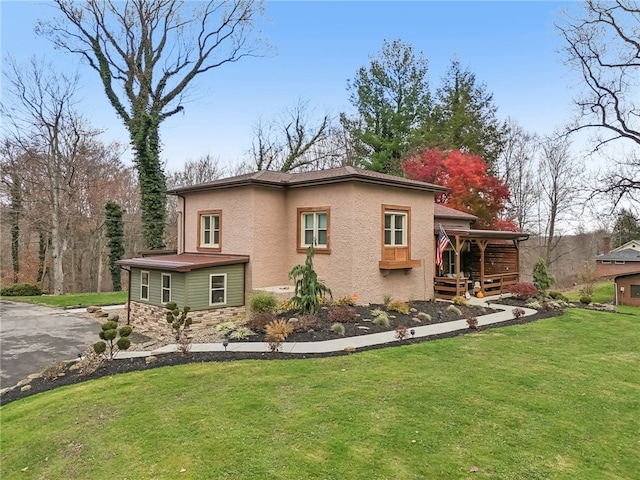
[437, 310]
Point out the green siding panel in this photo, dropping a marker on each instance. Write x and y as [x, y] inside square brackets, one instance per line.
[191, 288]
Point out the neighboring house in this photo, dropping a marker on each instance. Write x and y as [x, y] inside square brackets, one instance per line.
[373, 236]
[621, 260]
[628, 289]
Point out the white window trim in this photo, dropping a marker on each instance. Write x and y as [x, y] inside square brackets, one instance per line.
[224, 302]
[619, 262]
[163, 289]
[303, 244]
[606, 262]
[393, 228]
[142, 273]
[212, 230]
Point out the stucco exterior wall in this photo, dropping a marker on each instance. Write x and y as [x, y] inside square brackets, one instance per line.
[610, 270]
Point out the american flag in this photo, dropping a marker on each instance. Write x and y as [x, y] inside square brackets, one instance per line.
[441, 246]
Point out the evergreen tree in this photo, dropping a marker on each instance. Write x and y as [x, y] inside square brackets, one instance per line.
[626, 228]
[392, 100]
[464, 117]
[115, 240]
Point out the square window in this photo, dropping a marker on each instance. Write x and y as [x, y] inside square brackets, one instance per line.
[395, 229]
[313, 229]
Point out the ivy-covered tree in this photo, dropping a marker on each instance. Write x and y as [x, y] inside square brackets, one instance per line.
[147, 53]
[464, 117]
[114, 227]
[626, 228]
[392, 99]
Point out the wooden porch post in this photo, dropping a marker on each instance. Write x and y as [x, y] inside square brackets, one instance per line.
[458, 292]
[482, 244]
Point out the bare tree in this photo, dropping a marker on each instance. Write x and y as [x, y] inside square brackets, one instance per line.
[517, 168]
[602, 43]
[147, 52]
[293, 142]
[558, 176]
[205, 169]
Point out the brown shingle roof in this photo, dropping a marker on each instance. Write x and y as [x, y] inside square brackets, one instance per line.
[440, 211]
[184, 262]
[318, 177]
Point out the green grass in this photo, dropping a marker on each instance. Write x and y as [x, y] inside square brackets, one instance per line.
[554, 399]
[75, 299]
[603, 292]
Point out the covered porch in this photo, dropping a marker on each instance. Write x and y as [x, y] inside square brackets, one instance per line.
[479, 260]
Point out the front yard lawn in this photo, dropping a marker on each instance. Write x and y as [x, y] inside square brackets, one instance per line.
[75, 300]
[557, 398]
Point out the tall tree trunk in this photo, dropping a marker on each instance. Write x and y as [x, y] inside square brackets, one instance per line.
[16, 212]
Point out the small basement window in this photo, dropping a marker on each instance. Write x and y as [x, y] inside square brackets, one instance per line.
[635, 291]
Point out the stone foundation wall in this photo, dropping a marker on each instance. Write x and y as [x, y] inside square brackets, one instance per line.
[153, 319]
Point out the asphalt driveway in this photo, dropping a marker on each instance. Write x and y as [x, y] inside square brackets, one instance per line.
[32, 337]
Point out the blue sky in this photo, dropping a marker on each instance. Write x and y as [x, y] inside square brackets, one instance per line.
[511, 46]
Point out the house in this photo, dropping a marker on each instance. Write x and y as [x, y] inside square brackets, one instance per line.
[373, 236]
[621, 260]
[627, 289]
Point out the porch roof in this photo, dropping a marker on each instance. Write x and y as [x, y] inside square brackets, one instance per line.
[184, 262]
[471, 234]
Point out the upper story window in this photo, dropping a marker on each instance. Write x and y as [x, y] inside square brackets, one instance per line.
[166, 287]
[144, 285]
[395, 229]
[313, 229]
[210, 230]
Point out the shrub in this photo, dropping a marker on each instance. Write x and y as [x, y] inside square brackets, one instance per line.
[396, 306]
[425, 317]
[21, 290]
[109, 346]
[309, 290]
[342, 314]
[585, 299]
[305, 323]
[279, 328]
[240, 332]
[54, 371]
[542, 279]
[338, 328]
[472, 322]
[344, 301]
[287, 305]
[225, 327]
[523, 290]
[380, 317]
[533, 303]
[460, 301]
[402, 332]
[180, 321]
[263, 302]
[558, 296]
[517, 312]
[258, 323]
[453, 309]
[274, 342]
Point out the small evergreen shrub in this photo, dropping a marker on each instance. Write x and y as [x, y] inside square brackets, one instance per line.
[558, 296]
[533, 303]
[380, 317]
[523, 290]
[542, 279]
[338, 328]
[342, 314]
[344, 301]
[21, 290]
[258, 323]
[263, 302]
[310, 291]
[454, 309]
[425, 317]
[180, 321]
[585, 299]
[286, 305]
[240, 333]
[460, 301]
[109, 346]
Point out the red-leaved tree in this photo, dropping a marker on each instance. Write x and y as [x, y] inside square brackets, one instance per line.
[471, 189]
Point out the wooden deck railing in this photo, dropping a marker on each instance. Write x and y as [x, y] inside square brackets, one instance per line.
[445, 287]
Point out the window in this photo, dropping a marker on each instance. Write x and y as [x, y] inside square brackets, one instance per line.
[396, 239]
[635, 291]
[209, 230]
[144, 285]
[606, 262]
[218, 289]
[313, 229]
[395, 229]
[166, 288]
[449, 261]
[619, 262]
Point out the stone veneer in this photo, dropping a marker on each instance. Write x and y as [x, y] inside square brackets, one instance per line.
[153, 319]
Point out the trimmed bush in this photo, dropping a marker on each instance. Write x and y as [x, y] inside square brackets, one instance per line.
[523, 290]
[338, 328]
[342, 314]
[425, 317]
[263, 302]
[21, 290]
[454, 309]
[396, 306]
[558, 296]
[258, 323]
[460, 301]
[585, 299]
